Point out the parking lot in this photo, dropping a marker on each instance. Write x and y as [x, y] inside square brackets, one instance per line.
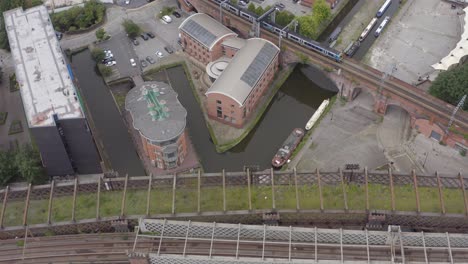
[295, 8]
[165, 35]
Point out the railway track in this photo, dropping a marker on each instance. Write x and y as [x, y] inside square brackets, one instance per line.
[113, 248]
[370, 75]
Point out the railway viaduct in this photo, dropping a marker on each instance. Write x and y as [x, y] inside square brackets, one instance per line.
[428, 114]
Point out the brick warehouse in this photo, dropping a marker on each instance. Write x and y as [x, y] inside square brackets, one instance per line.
[241, 70]
[160, 120]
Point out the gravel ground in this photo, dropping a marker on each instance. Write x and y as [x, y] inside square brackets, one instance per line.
[422, 33]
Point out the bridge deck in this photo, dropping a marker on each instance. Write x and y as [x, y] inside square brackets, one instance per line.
[196, 242]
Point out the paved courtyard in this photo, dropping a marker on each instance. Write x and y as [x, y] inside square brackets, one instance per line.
[352, 133]
[422, 33]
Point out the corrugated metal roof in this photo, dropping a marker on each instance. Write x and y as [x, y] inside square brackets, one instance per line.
[204, 29]
[245, 69]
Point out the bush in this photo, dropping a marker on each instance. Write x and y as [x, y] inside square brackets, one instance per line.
[101, 34]
[451, 85]
[463, 152]
[131, 28]
[309, 24]
[104, 70]
[98, 54]
[166, 11]
[79, 17]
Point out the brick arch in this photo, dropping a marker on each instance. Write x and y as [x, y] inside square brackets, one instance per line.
[396, 104]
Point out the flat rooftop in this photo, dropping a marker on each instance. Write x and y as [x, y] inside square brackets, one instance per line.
[41, 70]
[156, 111]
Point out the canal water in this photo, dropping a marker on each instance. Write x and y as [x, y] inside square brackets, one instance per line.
[342, 19]
[111, 129]
[291, 107]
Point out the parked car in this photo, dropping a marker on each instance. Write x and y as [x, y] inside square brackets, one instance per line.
[159, 54]
[127, 2]
[111, 63]
[132, 62]
[176, 14]
[169, 49]
[107, 60]
[59, 35]
[149, 34]
[135, 42]
[143, 63]
[167, 19]
[280, 5]
[144, 37]
[150, 60]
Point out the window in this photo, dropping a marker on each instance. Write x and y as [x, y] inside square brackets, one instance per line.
[232, 106]
[233, 120]
[219, 113]
[243, 115]
[218, 101]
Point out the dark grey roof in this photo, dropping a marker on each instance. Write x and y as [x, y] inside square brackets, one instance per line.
[245, 69]
[171, 121]
[204, 29]
[259, 64]
[199, 33]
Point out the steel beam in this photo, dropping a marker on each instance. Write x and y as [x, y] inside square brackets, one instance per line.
[98, 200]
[148, 194]
[320, 189]
[367, 247]
[162, 235]
[238, 240]
[449, 247]
[75, 191]
[416, 191]
[424, 247]
[249, 191]
[51, 198]
[186, 237]
[212, 238]
[298, 204]
[343, 187]
[392, 189]
[124, 196]
[462, 186]
[4, 204]
[441, 194]
[26, 206]
[366, 185]
[263, 244]
[273, 201]
[174, 182]
[224, 190]
[199, 191]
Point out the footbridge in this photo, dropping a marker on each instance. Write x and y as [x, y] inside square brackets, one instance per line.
[343, 198]
[187, 242]
[352, 76]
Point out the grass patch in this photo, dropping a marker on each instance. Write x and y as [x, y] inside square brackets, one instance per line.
[211, 199]
[3, 117]
[119, 99]
[15, 127]
[14, 86]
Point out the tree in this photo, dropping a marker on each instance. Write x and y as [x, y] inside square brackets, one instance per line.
[251, 7]
[79, 17]
[101, 34]
[259, 10]
[451, 85]
[321, 11]
[104, 70]
[131, 28]
[98, 54]
[166, 11]
[307, 26]
[28, 163]
[8, 168]
[283, 18]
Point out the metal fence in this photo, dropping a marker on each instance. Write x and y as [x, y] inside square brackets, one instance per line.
[134, 197]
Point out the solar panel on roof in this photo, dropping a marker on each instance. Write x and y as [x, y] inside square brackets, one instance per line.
[199, 33]
[259, 64]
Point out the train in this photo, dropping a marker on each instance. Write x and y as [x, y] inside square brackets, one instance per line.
[272, 27]
[383, 8]
[381, 26]
[368, 29]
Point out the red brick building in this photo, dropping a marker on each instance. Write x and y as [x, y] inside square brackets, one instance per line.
[201, 37]
[160, 118]
[241, 70]
[236, 92]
